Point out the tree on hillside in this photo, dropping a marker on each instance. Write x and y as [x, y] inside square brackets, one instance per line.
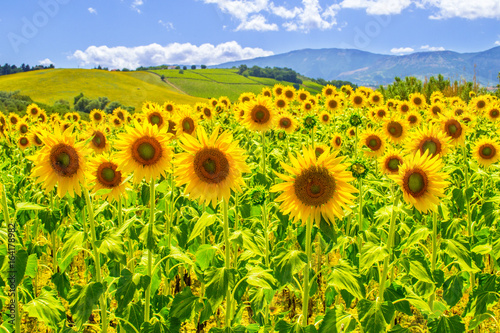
[193, 67]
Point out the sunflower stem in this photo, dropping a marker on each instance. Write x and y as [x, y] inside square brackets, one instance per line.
[388, 246]
[6, 217]
[227, 260]
[312, 138]
[360, 214]
[170, 220]
[305, 288]
[355, 142]
[97, 260]
[120, 220]
[433, 255]
[467, 203]
[150, 251]
[264, 156]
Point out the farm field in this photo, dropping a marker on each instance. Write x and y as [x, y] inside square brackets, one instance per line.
[283, 212]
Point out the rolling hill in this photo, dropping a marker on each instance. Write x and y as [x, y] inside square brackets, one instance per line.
[128, 88]
[371, 69]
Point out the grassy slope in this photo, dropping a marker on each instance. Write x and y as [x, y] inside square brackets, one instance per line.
[214, 82]
[128, 88]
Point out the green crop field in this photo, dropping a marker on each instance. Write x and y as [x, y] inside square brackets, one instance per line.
[128, 88]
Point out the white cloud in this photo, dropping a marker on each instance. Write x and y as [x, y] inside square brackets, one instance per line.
[166, 25]
[257, 23]
[432, 48]
[497, 42]
[249, 15]
[402, 50]
[136, 4]
[378, 7]
[92, 10]
[155, 54]
[45, 62]
[464, 8]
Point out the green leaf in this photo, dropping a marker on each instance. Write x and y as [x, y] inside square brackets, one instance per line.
[399, 329]
[218, 279]
[261, 278]
[29, 206]
[288, 263]
[179, 255]
[483, 297]
[113, 248]
[459, 251]
[477, 320]
[344, 276]
[337, 320]
[416, 236]
[419, 268]
[395, 293]
[184, 305]
[47, 308]
[445, 324]
[375, 315]
[32, 266]
[72, 245]
[62, 283]
[134, 314]
[82, 300]
[125, 289]
[371, 254]
[203, 222]
[205, 255]
[452, 289]
[21, 261]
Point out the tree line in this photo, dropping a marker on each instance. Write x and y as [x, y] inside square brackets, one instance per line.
[277, 73]
[12, 69]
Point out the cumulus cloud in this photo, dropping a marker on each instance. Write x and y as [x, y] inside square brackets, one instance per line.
[401, 50]
[92, 10]
[432, 48]
[45, 62]
[377, 7]
[497, 42]
[136, 4]
[155, 54]
[464, 9]
[250, 16]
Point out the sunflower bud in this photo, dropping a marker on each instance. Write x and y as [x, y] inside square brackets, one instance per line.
[355, 120]
[281, 135]
[358, 169]
[257, 195]
[310, 121]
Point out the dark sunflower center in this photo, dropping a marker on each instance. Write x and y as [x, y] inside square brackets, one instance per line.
[417, 100]
[155, 119]
[285, 123]
[37, 140]
[147, 151]
[97, 116]
[260, 114]
[435, 110]
[328, 92]
[358, 100]
[481, 104]
[459, 112]
[395, 129]
[211, 165]
[393, 164]
[453, 128]
[64, 160]
[23, 129]
[432, 145]
[381, 113]
[374, 142]
[120, 115]
[24, 141]
[171, 127]
[108, 176]
[245, 99]
[314, 186]
[412, 119]
[318, 151]
[415, 182]
[326, 118]
[99, 140]
[494, 113]
[207, 112]
[188, 125]
[289, 94]
[34, 112]
[281, 103]
[405, 108]
[376, 98]
[267, 93]
[13, 120]
[117, 121]
[303, 97]
[338, 141]
[279, 91]
[487, 151]
[332, 104]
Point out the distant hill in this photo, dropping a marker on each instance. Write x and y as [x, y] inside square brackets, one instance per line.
[371, 69]
[128, 88]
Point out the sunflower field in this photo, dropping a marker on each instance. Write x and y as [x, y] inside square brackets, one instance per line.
[281, 212]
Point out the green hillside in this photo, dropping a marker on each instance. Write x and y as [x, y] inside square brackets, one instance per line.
[214, 82]
[128, 88]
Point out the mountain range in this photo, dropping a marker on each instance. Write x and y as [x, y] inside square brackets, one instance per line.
[371, 69]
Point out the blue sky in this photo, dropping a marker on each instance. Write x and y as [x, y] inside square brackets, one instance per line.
[131, 33]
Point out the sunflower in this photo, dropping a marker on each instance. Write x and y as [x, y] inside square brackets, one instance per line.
[325, 117]
[210, 167]
[479, 104]
[224, 102]
[380, 113]
[246, 97]
[332, 103]
[33, 111]
[307, 107]
[280, 103]
[97, 116]
[172, 127]
[104, 174]
[320, 149]
[169, 107]
[155, 116]
[278, 89]
[376, 98]
[206, 112]
[259, 114]
[418, 100]
[347, 90]
[303, 95]
[266, 92]
[289, 93]
[372, 143]
[98, 140]
[60, 162]
[486, 151]
[391, 161]
[13, 119]
[187, 122]
[391, 104]
[493, 112]
[22, 127]
[315, 187]
[328, 90]
[421, 181]
[395, 129]
[35, 137]
[358, 99]
[414, 118]
[431, 139]
[42, 116]
[287, 122]
[436, 109]
[351, 132]
[403, 107]
[23, 142]
[336, 142]
[145, 106]
[454, 130]
[143, 150]
[116, 121]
